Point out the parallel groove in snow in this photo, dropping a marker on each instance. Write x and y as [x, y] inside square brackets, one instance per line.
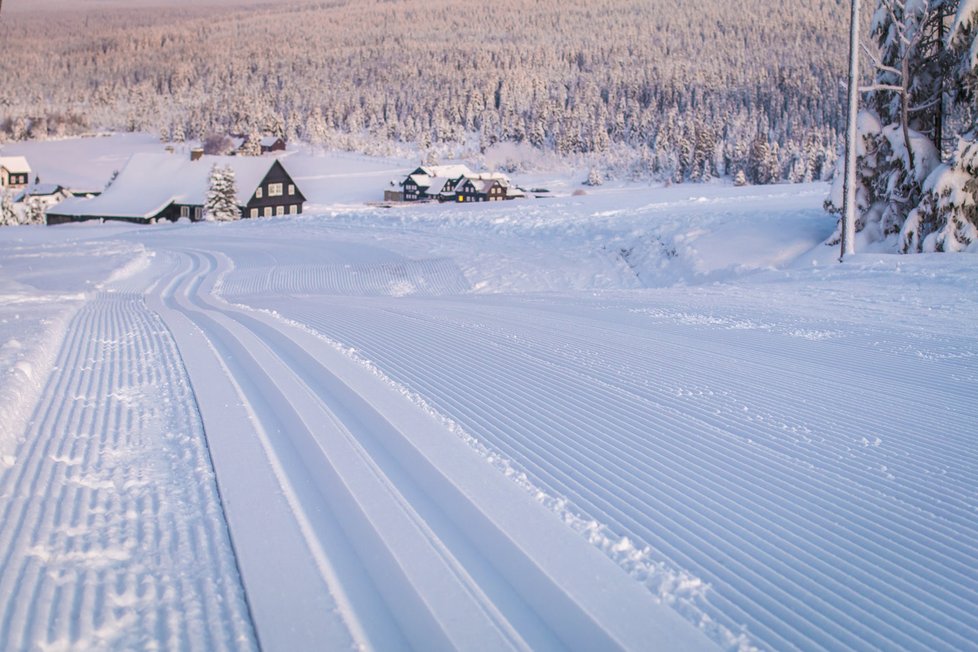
[415, 277]
[821, 559]
[442, 584]
[132, 548]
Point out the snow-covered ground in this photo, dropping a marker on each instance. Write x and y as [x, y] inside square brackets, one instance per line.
[646, 418]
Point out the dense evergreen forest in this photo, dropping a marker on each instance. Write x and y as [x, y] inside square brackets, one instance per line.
[680, 89]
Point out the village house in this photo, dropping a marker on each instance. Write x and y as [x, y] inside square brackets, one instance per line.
[154, 187]
[271, 144]
[266, 145]
[486, 187]
[48, 194]
[15, 173]
[431, 181]
[455, 183]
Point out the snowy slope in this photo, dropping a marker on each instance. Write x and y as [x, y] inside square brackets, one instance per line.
[643, 418]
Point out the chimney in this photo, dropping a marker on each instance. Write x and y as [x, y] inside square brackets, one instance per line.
[196, 153]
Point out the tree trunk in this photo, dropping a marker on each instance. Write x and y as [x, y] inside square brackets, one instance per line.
[852, 133]
[905, 112]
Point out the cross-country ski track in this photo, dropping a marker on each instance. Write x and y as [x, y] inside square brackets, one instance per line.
[353, 433]
[113, 509]
[398, 532]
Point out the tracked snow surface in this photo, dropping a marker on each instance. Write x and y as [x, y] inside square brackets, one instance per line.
[637, 419]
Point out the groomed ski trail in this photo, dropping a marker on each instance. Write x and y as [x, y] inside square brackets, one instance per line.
[112, 535]
[376, 526]
[802, 534]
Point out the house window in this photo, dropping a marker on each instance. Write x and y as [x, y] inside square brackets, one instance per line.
[274, 190]
[461, 197]
[280, 210]
[268, 211]
[254, 212]
[197, 212]
[293, 210]
[258, 193]
[184, 211]
[291, 189]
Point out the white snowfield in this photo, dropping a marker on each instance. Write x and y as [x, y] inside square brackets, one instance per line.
[635, 420]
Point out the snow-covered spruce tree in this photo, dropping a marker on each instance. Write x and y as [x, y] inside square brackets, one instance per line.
[8, 214]
[34, 211]
[252, 144]
[868, 137]
[904, 128]
[594, 178]
[947, 216]
[221, 204]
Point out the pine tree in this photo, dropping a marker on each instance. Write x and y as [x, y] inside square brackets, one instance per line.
[946, 218]
[903, 188]
[252, 144]
[35, 212]
[221, 204]
[8, 213]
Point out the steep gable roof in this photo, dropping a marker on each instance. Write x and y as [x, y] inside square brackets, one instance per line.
[15, 164]
[151, 182]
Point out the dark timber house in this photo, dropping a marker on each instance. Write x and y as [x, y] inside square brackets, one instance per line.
[456, 183]
[431, 182]
[154, 187]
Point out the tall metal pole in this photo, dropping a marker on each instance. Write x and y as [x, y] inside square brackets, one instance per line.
[849, 203]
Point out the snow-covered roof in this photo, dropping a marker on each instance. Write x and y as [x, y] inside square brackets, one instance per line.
[40, 190]
[447, 171]
[268, 141]
[483, 182]
[151, 182]
[15, 164]
[441, 184]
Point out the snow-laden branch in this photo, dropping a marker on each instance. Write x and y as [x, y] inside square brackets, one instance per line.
[882, 87]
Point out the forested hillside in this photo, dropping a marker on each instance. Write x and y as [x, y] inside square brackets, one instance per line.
[682, 89]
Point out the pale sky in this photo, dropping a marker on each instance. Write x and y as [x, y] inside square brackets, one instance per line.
[27, 5]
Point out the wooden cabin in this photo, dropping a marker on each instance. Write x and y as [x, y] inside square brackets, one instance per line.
[15, 172]
[153, 187]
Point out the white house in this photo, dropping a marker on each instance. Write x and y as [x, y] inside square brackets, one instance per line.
[15, 172]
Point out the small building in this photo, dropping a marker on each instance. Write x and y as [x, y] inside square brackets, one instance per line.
[154, 187]
[433, 182]
[456, 183]
[15, 172]
[271, 144]
[48, 194]
[487, 187]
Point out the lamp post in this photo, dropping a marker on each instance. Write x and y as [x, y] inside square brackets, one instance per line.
[849, 202]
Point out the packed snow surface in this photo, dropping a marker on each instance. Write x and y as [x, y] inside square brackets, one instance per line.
[641, 418]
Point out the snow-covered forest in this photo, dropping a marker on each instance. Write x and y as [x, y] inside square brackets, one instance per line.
[663, 88]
